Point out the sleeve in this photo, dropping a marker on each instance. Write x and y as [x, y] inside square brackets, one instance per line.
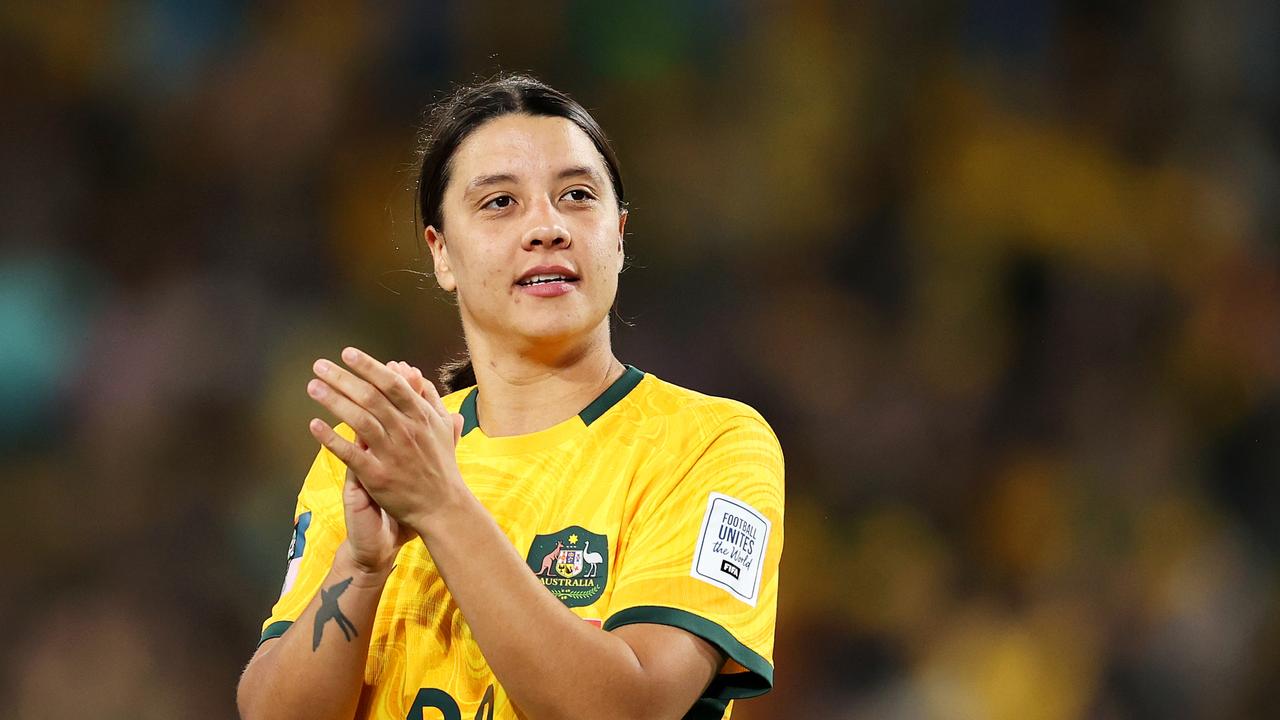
[701, 553]
[319, 528]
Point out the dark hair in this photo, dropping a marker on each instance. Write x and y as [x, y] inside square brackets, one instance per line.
[453, 119]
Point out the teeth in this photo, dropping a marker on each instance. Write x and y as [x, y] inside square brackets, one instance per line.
[534, 280]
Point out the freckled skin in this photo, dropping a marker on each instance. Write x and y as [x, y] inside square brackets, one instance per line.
[482, 250]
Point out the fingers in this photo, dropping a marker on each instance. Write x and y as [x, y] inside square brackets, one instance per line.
[353, 457]
[419, 384]
[365, 423]
[429, 393]
[373, 385]
[354, 495]
[353, 400]
[408, 372]
[374, 398]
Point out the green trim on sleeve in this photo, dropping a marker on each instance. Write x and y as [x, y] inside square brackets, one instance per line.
[707, 709]
[274, 630]
[625, 383]
[725, 686]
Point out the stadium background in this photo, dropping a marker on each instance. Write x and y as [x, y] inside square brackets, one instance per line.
[1003, 275]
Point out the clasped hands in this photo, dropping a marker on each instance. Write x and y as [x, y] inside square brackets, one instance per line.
[401, 470]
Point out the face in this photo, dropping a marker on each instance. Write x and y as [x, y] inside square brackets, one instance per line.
[532, 236]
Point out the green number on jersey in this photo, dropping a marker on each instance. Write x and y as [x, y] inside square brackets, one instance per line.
[437, 699]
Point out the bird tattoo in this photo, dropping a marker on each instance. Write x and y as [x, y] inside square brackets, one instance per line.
[329, 610]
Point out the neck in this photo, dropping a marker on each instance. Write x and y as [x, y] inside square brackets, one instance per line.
[527, 390]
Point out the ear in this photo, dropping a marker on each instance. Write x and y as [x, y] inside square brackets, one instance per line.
[440, 258]
[622, 230]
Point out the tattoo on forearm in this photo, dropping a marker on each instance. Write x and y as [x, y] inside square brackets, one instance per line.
[329, 610]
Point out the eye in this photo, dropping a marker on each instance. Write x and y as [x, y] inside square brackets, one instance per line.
[498, 203]
[579, 195]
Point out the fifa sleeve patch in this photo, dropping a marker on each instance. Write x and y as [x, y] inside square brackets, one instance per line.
[297, 546]
[730, 550]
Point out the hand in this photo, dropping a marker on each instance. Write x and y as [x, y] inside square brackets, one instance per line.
[373, 536]
[403, 462]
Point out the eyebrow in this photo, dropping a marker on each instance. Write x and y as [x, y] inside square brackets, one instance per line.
[481, 181]
[486, 180]
[580, 171]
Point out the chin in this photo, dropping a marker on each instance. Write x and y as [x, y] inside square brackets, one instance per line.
[558, 331]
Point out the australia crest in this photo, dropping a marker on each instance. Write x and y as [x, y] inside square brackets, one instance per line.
[573, 564]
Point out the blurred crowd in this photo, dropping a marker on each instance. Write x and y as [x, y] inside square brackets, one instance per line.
[1003, 276]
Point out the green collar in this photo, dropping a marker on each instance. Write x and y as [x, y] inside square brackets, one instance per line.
[610, 397]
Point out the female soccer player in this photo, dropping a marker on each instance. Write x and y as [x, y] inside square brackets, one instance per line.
[566, 537]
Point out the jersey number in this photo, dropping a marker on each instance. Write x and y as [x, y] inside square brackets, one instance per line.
[437, 699]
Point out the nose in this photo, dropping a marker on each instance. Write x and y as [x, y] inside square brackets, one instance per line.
[548, 230]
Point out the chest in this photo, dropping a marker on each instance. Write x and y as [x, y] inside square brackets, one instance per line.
[564, 513]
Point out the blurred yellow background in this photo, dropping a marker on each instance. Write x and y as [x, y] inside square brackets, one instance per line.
[1004, 277]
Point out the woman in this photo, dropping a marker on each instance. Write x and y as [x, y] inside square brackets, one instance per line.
[567, 538]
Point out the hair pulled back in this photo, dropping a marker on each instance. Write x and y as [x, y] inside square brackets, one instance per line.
[453, 119]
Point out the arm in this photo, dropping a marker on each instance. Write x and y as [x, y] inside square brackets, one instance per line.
[648, 671]
[641, 671]
[316, 669]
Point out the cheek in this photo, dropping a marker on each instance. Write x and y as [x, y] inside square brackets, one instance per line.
[606, 246]
[477, 285]
[606, 268]
[476, 271]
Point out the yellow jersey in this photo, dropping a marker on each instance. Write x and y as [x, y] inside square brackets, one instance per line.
[655, 504]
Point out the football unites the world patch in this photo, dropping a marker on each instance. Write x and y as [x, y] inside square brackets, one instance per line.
[730, 551]
[572, 563]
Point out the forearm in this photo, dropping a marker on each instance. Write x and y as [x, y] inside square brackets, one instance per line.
[494, 587]
[316, 669]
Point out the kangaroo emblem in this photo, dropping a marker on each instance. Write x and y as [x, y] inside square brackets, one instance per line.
[549, 559]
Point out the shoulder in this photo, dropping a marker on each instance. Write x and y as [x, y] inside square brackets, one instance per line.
[694, 412]
[697, 447]
[682, 426]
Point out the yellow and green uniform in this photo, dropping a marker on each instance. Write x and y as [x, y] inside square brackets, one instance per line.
[655, 504]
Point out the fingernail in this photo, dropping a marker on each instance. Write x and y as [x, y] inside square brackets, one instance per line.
[315, 388]
[322, 366]
[350, 355]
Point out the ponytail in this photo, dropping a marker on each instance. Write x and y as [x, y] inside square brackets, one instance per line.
[456, 375]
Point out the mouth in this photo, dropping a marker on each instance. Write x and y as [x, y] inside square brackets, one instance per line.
[546, 275]
[547, 281]
[545, 278]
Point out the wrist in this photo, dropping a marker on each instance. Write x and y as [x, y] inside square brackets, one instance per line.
[448, 507]
[363, 574]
